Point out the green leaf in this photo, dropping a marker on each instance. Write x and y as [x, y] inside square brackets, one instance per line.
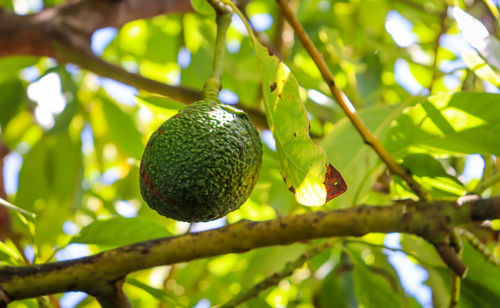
[480, 286]
[49, 183]
[373, 288]
[304, 164]
[12, 64]
[462, 123]
[118, 231]
[12, 97]
[122, 129]
[337, 289]
[477, 35]
[51, 170]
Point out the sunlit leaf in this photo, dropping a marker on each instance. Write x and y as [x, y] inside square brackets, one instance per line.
[452, 123]
[433, 176]
[480, 67]
[477, 35]
[304, 164]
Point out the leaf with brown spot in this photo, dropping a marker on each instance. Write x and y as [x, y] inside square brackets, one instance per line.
[304, 164]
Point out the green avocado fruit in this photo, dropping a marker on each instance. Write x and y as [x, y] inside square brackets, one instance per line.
[202, 163]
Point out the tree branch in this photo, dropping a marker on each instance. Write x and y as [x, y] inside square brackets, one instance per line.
[425, 219]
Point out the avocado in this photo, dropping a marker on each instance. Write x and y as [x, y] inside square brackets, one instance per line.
[202, 163]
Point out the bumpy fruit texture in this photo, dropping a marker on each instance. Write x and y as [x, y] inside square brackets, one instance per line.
[202, 163]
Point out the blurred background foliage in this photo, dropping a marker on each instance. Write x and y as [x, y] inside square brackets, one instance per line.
[420, 81]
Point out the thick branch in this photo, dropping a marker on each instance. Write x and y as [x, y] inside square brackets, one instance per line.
[63, 32]
[420, 218]
[74, 23]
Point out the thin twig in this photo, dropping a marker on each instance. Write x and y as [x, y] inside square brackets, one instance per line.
[409, 253]
[97, 65]
[486, 183]
[479, 246]
[456, 282]
[275, 278]
[442, 30]
[368, 137]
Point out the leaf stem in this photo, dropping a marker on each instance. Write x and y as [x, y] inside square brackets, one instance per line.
[11, 206]
[479, 246]
[442, 30]
[486, 183]
[213, 85]
[368, 137]
[456, 282]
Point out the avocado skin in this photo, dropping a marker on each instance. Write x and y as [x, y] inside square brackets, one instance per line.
[202, 163]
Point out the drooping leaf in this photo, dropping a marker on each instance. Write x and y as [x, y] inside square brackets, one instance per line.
[462, 123]
[118, 231]
[304, 164]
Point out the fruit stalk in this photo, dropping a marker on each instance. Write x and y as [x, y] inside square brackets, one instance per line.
[213, 85]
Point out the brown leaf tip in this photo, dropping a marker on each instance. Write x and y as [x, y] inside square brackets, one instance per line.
[334, 183]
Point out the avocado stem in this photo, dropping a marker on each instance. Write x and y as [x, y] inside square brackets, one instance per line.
[223, 17]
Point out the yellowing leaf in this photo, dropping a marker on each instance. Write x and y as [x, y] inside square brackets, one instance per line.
[304, 164]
